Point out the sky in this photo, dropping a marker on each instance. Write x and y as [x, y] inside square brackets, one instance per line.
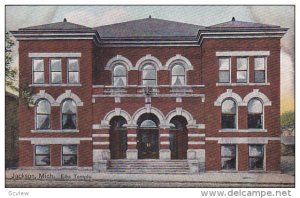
[93, 16]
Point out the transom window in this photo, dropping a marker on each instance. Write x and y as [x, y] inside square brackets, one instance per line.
[119, 76]
[38, 71]
[149, 75]
[178, 75]
[55, 71]
[228, 157]
[260, 70]
[256, 157]
[69, 114]
[242, 70]
[255, 114]
[228, 114]
[42, 155]
[224, 70]
[69, 155]
[43, 111]
[73, 71]
[148, 124]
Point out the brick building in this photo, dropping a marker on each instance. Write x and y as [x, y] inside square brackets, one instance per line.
[151, 89]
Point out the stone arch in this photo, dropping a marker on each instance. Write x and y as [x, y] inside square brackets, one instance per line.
[149, 59]
[119, 59]
[43, 95]
[148, 109]
[116, 112]
[256, 94]
[229, 94]
[179, 59]
[180, 112]
[69, 94]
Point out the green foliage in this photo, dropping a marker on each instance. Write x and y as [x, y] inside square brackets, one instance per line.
[287, 118]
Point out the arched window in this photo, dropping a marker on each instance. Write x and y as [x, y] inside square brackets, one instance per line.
[178, 75]
[119, 76]
[43, 111]
[149, 75]
[69, 114]
[228, 114]
[255, 114]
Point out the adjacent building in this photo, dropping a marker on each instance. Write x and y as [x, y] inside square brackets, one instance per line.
[151, 89]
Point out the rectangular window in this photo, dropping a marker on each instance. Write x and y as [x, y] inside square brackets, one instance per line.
[69, 155]
[228, 157]
[73, 71]
[256, 157]
[242, 70]
[38, 71]
[224, 70]
[55, 71]
[42, 155]
[260, 70]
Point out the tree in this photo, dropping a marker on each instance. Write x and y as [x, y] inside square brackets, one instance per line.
[287, 120]
[25, 93]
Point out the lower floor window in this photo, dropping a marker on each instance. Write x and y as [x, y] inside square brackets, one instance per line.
[256, 157]
[69, 155]
[42, 155]
[228, 157]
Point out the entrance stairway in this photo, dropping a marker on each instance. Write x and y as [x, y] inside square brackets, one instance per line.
[149, 166]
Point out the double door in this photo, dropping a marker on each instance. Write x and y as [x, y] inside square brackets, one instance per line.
[148, 144]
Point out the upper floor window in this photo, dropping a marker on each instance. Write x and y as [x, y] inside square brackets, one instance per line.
[119, 76]
[178, 75]
[38, 71]
[55, 71]
[242, 70]
[228, 114]
[73, 71]
[69, 114]
[260, 70]
[255, 114]
[224, 70]
[228, 157]
[149, 75]
[43, 111]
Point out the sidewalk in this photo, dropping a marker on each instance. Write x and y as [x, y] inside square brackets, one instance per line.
[216, 178]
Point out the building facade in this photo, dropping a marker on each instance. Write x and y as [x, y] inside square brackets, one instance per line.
[151, 89]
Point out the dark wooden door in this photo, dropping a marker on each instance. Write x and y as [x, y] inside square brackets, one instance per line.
[178, 144]
[148, 144]
[118, 144]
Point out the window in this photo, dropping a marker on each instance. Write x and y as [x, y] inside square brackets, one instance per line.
[43, 111]
[69, 155]
[242, 70]
[256, 157]
[55, 71]
[224, 70]
[178, 75]
[228, 114]
[260, 70]
[42, 155]
[255, 114]
[149, 75]
[228, 157]
[38, 71]
[73, 71]
[69, 117]
[119, 76]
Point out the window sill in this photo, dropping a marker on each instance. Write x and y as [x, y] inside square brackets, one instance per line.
[55, 85]
[242, 84]
[243, 130]
[56, 131]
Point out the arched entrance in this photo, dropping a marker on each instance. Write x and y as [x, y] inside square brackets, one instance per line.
[148, 137]
[178, 138]
[118, 138]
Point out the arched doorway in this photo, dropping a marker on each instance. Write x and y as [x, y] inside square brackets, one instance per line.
[148, 137]
[118, 138]
[178, 138]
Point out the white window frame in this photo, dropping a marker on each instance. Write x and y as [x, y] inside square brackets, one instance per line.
[32, 68]
[61, 116]
[185, 74]
[266, 69]
[112, 72]
[247, 82]
[236, 158]
[224, 57]
[262, 116]
[236, 117]
[50, 72]
[73, 58]
[35, 115]
[34, 156]
[156, 77]
[264, 158]
[77, 156]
